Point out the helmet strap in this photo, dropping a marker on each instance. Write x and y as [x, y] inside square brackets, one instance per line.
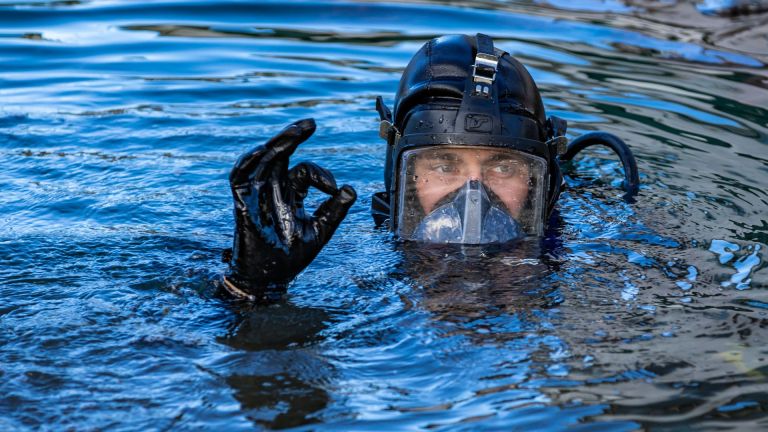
[479, 111]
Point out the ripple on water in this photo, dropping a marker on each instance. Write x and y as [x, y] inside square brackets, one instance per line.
[120, 122]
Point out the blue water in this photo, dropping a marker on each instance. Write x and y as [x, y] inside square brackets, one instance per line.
[120, 120]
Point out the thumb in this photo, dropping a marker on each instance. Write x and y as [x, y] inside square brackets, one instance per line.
[331, 212]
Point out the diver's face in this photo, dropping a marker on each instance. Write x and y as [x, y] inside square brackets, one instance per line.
[439, 172]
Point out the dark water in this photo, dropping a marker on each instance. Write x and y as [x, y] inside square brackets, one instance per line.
[119, 121]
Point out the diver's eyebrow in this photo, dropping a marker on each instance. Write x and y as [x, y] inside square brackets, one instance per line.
[442, 155]
[502, 157]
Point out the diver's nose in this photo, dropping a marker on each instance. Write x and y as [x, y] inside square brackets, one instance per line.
[474, 173]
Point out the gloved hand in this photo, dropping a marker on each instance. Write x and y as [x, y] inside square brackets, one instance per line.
[275, 238]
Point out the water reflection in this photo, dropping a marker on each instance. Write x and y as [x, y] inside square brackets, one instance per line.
[472, 281]
[278, 326]
[119, 125]
[278, 401]
[283, 386]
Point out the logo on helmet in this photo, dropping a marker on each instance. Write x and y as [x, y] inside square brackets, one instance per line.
[478, 123]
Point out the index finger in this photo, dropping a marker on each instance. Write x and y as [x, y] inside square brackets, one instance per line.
[259, 161]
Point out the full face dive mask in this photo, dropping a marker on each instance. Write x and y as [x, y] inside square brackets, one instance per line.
[471, 156]
[469, 194]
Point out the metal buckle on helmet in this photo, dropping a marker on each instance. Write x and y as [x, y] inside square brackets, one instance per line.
[556, 128]
[483, 73]
[559, 144]
[386, 128]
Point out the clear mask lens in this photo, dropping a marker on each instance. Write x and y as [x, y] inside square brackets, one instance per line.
[470, 195]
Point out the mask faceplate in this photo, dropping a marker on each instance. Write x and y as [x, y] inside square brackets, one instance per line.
[470, 195]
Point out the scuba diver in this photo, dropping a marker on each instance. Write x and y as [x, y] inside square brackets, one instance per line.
[471, 159]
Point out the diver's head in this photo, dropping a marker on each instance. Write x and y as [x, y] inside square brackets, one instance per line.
[468, 156]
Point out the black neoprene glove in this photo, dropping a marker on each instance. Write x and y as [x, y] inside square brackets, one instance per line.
[275, 238]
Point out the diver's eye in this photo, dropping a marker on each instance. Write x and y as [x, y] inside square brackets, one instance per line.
[504, 169]
[444, 168]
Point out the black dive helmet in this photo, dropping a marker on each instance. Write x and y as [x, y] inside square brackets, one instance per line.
[460, 90]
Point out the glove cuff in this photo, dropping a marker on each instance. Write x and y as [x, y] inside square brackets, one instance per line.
[240, 289]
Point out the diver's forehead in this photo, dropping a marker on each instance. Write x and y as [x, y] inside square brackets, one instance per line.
[468, 153]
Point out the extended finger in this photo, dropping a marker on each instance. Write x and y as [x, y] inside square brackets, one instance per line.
[331, 212]
[259, 162]
[307, 174]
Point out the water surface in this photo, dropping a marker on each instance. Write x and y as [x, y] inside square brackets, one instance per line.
[120, 121]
